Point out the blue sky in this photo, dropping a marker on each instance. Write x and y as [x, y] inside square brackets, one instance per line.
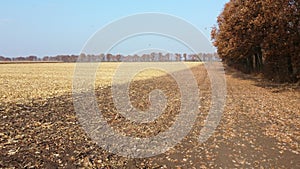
[54, 27]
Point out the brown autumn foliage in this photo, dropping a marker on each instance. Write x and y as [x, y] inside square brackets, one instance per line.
[260, 36]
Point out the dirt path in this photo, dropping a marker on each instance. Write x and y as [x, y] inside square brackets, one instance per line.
[259, 129]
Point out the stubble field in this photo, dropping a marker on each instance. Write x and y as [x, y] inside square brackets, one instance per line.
[39, 128]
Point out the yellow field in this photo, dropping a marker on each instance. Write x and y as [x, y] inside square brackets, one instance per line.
[23, 82]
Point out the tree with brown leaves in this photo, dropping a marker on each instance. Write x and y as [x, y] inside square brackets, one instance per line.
[260, 36]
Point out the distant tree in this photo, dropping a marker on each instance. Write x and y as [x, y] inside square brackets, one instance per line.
[185, 56]
[20, 58]
[31, 58]
[83, 57]
[2, 58]
[108, 57]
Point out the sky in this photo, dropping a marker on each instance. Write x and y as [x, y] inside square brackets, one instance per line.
[52, 27]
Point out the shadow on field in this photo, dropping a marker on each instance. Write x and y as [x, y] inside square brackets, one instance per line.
[260, 81]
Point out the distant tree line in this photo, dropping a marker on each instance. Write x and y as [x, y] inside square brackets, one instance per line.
[58, 58]
[261, 36]
[153, 57]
